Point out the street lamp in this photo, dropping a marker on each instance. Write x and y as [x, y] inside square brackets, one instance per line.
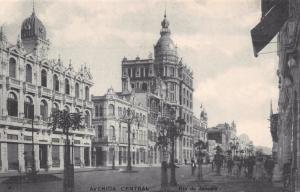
[66, 121]
[199, 147]
[170, 129]
[129, 117]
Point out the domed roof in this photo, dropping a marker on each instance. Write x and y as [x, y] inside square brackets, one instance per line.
[165, 44]
[32, 27]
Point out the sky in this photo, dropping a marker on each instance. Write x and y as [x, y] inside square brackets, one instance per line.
[213, 38]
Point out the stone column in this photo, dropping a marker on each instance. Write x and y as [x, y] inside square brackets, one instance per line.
[4, 157]
[61, 156]
[90, 155]
[82, 164]
[21, 157]
[37, 156]
[49, 156]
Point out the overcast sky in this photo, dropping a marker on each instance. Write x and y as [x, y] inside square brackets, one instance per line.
[213, 37]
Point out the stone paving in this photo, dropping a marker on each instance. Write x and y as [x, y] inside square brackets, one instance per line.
[149, 178]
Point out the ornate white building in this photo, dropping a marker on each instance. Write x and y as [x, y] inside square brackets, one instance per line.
[111, 141]
[29, 78]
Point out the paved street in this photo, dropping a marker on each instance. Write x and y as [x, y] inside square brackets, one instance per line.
[86, 181]
[108, 180]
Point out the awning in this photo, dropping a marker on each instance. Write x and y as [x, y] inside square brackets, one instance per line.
[269, 25]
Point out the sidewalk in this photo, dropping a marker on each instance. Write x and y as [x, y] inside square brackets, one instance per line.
[214, 183]
[57, 171]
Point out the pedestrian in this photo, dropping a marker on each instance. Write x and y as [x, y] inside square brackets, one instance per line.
[229, 166]
[185, 161]
[259, 168]
[218, 162]
[269, 167]
[193, 166]
[287, 174]
[250, 166]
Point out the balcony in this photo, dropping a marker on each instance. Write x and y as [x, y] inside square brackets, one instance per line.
[101, 139]
[13, 82]
[88, 104]
[79, 102]
[30, 87]
[68, 99]
[58, 95]
[45, 91]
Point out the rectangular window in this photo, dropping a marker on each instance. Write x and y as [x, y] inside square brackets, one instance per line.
[100, 131]
[12, 156]
[77, 156]
[55, 156]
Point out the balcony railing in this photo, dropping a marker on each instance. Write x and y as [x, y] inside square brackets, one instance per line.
[101, 139]
[46, 92]
[58, 95]
[79, 102]
[13, 82]
[30, 87]
[68, 99]
[88, 104]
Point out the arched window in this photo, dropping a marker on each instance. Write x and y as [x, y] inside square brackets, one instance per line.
[87, 93]
[67, 108]
[101, 111]
[96, 110]
[55, 107]
[12, 105]
[44, 78]
[12, 67]
[28, 108]
[112, 133]
[87, 119]
[55, 83]
[144, 87]
[77, 90]
[67, 87]
[44, 110]
[111, 109]
[28, 73]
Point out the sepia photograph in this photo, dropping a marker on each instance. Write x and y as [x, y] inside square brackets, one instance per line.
[149, 96]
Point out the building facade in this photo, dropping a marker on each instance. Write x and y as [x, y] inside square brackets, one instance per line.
[164, 82]
[222, 134]
[31, 86]
[288, 103]
[111, 141]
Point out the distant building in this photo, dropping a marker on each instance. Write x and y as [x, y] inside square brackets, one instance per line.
[222, 134]
[29, 78]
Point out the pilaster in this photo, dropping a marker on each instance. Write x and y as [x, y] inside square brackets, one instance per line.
[61, 156]
[4, 157]
[37, 156]
[49, 156]
[21, 157]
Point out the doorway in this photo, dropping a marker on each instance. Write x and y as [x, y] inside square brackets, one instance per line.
[43, 156]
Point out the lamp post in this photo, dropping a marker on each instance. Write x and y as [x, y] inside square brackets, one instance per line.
[30, 115]
[170, 129]
[199, 147]
[129, 118]
[66, 121]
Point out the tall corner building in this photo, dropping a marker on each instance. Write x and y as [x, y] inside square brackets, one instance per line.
[29, 78]
[160, 83]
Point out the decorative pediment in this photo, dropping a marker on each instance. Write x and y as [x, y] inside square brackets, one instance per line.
[17, 51]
